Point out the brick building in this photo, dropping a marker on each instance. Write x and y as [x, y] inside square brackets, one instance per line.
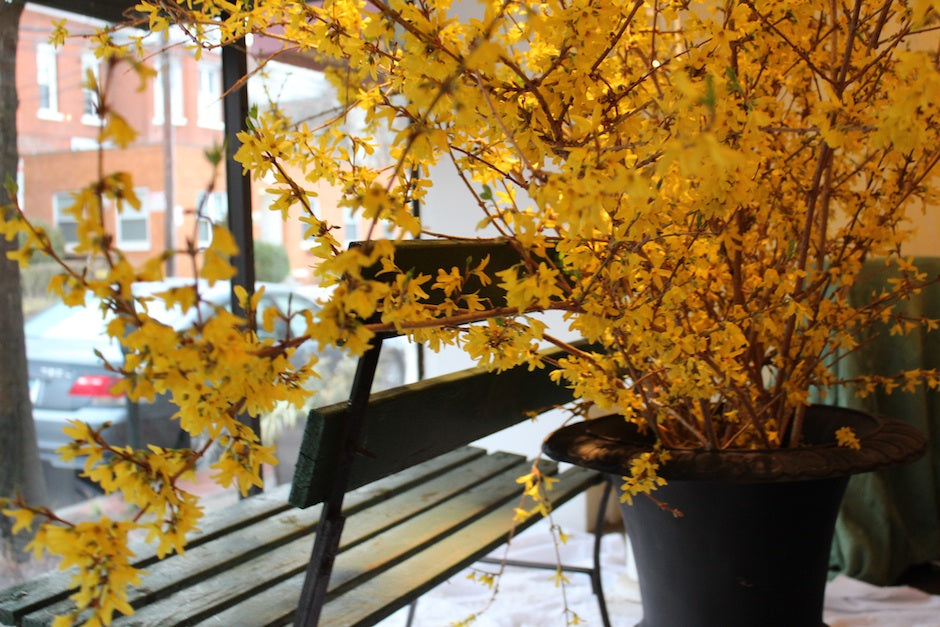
[58, 129]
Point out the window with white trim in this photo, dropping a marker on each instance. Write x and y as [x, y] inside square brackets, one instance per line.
[90, 77]
[212, 209]
[350, 225]
[209, 97]
[133, 224]
[47, 79]
[65, 222]
[176, 93]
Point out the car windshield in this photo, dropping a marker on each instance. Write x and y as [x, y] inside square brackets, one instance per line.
[60, 321]
[64, 322]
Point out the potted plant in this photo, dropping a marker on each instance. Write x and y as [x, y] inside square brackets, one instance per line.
[694, 186]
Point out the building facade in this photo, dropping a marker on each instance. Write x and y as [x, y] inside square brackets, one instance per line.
[58, 128]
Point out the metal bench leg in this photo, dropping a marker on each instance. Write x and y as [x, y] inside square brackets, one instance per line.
[596, 584]
[412, 608]
[327, 538]
[594, 572]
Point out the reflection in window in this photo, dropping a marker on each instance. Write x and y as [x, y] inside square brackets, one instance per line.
[212, 209]
[47, 79]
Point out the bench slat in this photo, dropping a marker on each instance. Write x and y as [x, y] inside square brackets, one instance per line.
[355, 564]
[417, 422]
[207, 557]
[427, 256]
[417, 511]
[53, 586]
[249, 576]
[401, 583]
[395, 588]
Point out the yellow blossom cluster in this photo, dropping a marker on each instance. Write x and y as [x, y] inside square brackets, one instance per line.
[693, 187]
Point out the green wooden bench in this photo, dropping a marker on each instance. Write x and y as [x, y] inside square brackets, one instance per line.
[388, 491]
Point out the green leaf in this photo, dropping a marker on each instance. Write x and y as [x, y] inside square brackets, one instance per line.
[10, 185]
[710, 98]
[733, 81]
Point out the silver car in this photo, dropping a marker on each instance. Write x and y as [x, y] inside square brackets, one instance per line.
[68, 380]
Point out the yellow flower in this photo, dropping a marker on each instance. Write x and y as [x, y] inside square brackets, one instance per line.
[845, 436]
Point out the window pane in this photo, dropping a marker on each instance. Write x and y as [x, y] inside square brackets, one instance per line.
[89, 95]
[133, 224]
[213, 209]
[69, 232]
[133, 230]
[210, 94]
[46, 77]
[65, 222]
[205, 232]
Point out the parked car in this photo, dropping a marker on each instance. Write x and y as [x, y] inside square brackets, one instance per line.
[68, 381]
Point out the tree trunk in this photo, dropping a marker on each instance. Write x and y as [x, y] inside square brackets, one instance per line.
[20, 470]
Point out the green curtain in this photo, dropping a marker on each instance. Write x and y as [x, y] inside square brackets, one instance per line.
[890, 520]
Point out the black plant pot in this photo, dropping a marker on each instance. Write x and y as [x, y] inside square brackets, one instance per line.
[751, 547]
[741, 555]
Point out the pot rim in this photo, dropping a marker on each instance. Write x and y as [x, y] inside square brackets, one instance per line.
[609, 443]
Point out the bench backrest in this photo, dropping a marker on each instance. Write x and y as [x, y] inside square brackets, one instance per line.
[411, 424]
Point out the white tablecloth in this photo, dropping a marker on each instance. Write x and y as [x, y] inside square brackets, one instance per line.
[529, 598]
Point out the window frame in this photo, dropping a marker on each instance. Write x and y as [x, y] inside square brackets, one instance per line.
[61, 218]
[209, 96]
[177, 97]
[127, 214]
[47, 76]
[90, 62]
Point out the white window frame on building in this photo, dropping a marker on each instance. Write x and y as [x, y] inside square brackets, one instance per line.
[90, 65]
[211, 209]
[47, 81]
[66, 223]
[209, 96]
[128, 216]
[177, 114]
[84, 143]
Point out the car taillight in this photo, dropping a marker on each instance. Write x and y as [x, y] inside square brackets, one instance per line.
[94, 385]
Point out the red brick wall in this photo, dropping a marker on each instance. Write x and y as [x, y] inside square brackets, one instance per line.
[50, 165]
